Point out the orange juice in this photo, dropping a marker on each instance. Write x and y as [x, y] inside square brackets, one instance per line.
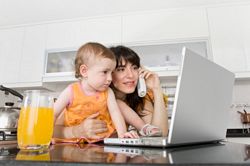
[33, 155]
[35, 127]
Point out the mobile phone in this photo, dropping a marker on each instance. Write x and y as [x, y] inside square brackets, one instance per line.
[141, 87]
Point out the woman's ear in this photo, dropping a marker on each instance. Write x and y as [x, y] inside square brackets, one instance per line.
[83, 71]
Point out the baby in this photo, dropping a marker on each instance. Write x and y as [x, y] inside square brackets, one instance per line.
[94, 64]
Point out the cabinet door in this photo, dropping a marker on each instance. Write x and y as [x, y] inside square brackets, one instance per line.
[10, 50]
[165, 25]
[104, 30]
[33, 55]
[71, 35]
[244, 12]
[62, 35]
[227, 37]
[2, 53]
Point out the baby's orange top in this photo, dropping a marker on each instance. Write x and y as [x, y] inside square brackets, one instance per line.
[82, 106]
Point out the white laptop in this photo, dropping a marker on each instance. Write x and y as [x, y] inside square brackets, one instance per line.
[201, 107]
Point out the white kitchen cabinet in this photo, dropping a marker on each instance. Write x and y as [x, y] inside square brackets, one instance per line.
[226, 34]
[11, 42]
[244, 12]
[59, 65]
[62, 35]
[167, 56]
[22, 53]
[33, 55]
[168, 25]
[75, 33]
[104, 30]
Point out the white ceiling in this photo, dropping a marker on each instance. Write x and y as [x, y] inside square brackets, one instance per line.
[20, 12]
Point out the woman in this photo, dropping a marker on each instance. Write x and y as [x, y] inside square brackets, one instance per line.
[151, 108]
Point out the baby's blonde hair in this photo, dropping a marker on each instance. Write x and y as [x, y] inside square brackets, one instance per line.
[91, 50]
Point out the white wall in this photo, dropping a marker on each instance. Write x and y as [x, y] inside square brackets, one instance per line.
[23, 12]
[241, 93]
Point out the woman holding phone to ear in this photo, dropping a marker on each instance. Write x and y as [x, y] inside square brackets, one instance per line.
[151, 108]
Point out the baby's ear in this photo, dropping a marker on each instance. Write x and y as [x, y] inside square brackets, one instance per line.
[83, 71]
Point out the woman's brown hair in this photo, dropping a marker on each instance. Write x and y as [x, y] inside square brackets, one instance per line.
[126, 54]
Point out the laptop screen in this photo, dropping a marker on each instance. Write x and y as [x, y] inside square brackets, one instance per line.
[202, 101]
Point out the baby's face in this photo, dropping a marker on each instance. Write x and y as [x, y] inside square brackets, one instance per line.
[99, 73]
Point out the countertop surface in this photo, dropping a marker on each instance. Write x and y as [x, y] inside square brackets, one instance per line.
[88, 154]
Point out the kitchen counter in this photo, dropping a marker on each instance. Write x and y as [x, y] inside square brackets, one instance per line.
[88, 154]
[238, 132]
[239, 135]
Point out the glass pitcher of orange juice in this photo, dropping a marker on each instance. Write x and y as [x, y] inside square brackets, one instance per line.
[36, 120]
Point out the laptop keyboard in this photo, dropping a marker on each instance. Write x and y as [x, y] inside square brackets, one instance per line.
[143, 141]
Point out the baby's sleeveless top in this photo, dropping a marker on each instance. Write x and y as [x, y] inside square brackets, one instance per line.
[82, 106]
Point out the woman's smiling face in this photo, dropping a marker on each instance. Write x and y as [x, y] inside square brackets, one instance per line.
[125, 77]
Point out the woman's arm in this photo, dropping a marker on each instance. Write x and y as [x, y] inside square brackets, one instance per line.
[89, 128]
[157, 114]
[160, 116]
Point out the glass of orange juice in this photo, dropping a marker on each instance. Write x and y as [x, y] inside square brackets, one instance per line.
[36, 120]
[34, 155]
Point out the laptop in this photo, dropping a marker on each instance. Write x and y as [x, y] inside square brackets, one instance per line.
[147, 152]
[201, 106]
[208, 153]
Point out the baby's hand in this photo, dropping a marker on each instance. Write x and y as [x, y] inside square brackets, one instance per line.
[130, 134]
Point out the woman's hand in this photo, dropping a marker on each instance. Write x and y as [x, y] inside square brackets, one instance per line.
[159, 117]
[89, 128]
[152, 80]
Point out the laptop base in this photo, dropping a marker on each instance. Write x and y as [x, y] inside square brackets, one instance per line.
[150, 142]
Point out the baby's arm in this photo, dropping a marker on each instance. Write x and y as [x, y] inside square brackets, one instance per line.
[117, 117]
[62, 101]
[131, 117]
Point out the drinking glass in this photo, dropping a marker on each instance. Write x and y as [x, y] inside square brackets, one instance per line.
[36, 120]
[34, 155]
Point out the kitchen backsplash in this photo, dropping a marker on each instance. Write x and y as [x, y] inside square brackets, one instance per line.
[241, 101]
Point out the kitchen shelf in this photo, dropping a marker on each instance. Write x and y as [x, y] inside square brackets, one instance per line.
[243, 75]
[59, 77]
[24, 85]
[164, 73]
